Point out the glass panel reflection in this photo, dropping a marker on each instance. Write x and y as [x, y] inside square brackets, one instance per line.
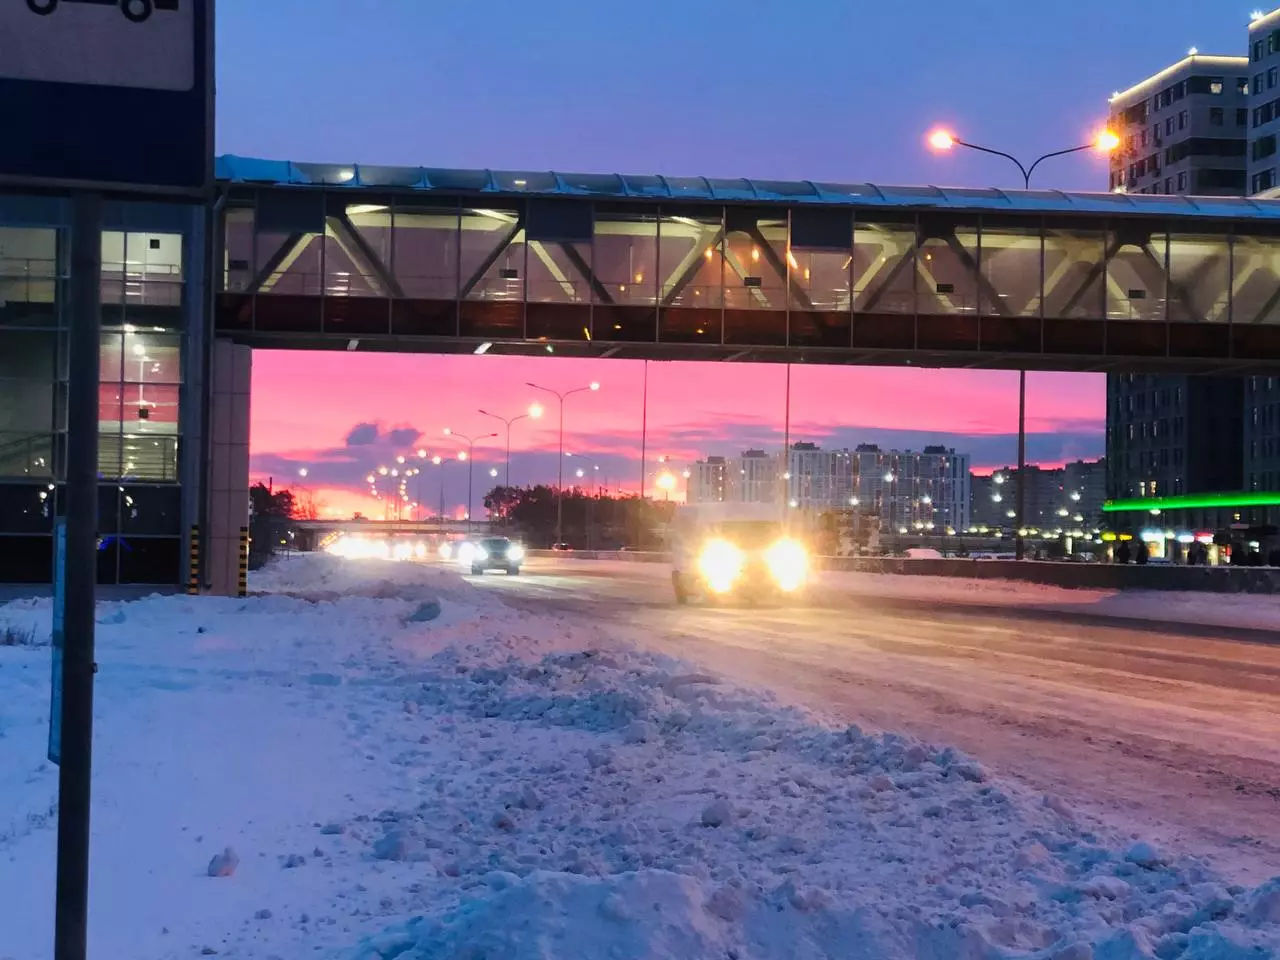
[1136, 275]
[1199, 277]
[884, 266]
[493, 255]
[948, 266]
[425, 250]
[1010, 284]
[1255, 281]
[1073, 272]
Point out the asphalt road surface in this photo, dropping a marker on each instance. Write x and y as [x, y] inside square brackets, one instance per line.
[1172, 732]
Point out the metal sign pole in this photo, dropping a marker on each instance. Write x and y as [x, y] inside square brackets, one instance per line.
[81, 560]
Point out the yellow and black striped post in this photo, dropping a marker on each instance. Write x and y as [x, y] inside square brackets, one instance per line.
[193, 568]
[243, 588]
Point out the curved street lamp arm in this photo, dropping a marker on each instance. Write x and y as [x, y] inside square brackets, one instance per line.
[1056, 153]
[554, 393]
[1026, 174]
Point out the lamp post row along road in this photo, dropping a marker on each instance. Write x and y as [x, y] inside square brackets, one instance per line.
[561, 396]
[470, 458]
[1105, 143]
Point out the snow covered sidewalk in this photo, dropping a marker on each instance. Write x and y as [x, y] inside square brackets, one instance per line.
[483, 784]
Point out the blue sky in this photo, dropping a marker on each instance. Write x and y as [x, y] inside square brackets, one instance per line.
[808, 89]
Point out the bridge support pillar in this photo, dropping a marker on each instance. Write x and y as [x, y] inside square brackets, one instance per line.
[228, 465]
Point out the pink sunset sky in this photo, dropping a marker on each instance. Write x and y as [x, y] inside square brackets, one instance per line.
[341, 415]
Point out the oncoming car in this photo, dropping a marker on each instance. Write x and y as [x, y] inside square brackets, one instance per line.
[736, 550]
[490, 553]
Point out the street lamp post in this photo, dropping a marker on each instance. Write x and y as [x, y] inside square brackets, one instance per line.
[508, 421]
[560, 398]
[469, 456]
[943, 141]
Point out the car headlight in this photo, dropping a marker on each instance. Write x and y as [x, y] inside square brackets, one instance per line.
[446, 551]
[788, 564]
[515, 552]
[720, 565]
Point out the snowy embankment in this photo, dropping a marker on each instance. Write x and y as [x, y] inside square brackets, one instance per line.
[486, 784]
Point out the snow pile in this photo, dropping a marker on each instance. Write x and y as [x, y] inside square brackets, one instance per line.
[606, 803]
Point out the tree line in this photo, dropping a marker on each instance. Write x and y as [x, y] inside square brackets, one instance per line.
[591, 521]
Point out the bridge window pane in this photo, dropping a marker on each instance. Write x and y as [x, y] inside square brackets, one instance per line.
[755, 260]
[1199, 268]
[493, 254]
[357, 247]
[1073, 272]
[425, 250]
[884, 266]
[948, 268]
[820, 279]
[288, 264]
[1136, 274]
[691, 264]
[626, 258]
[1010, 259]
[1256, 279]
[559, 271]
[28, 277]
[691, 258]
[237, 254]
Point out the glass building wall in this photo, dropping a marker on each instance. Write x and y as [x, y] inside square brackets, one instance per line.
[139, 401]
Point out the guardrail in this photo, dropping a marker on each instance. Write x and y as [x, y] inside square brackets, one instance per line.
[1074, 576]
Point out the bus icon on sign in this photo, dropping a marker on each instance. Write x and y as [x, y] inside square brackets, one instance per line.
[136, 11]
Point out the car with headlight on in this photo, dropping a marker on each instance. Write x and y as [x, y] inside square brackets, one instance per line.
[489, 553]
[741, 551]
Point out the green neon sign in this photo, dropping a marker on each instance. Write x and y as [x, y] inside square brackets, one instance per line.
[1194, 501]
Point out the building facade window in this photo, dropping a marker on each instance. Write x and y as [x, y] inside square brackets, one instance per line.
[140, 500]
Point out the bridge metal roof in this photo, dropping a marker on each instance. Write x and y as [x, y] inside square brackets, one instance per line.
[353, 176]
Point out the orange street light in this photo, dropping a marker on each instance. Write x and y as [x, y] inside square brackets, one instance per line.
[942, 140]
[1107, 141]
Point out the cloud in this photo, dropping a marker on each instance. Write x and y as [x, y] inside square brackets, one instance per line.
[403, 436]
[362, 435]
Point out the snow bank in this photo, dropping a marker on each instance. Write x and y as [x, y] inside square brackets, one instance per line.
[607, 803]
[503, 786]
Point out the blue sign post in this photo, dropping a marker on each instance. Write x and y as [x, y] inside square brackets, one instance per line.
[59, 637]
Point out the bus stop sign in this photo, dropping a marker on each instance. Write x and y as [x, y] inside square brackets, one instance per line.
[107, 94]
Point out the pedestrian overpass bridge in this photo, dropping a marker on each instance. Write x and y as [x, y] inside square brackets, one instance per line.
[355, 257]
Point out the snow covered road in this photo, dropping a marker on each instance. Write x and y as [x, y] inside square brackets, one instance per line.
[373, 761]
[1172, 730]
